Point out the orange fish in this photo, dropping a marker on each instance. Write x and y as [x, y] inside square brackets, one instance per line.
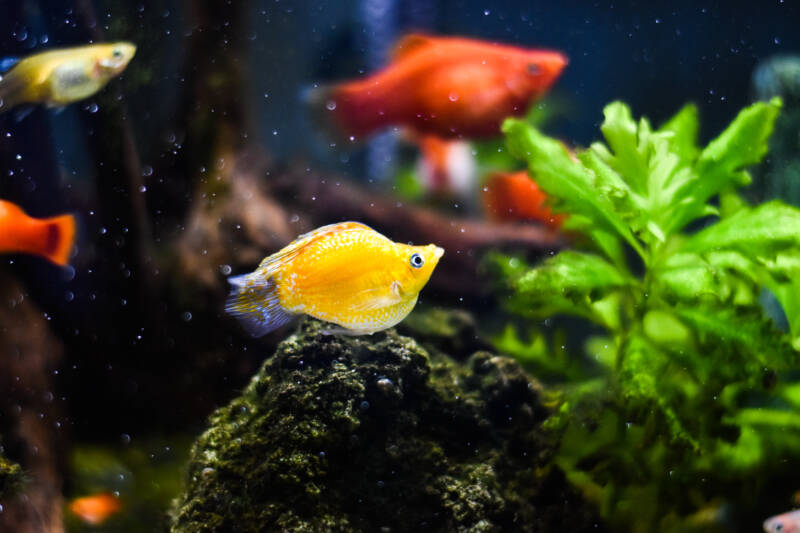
[448, 86]
[446, 166]
[51, 238]
[95, 509]
[515, 196]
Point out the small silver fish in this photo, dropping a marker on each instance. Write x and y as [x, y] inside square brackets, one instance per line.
[783, 523]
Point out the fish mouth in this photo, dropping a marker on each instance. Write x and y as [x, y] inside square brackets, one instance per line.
[438, 252]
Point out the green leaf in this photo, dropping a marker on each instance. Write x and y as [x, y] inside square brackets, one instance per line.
[721, 164]
[662, 327]
[779, 418]
[570, 186]
[788, 294]
[573, 283]
[610, 184]
[623, 137]
[683, 128]
[536, 357]
[791, 393]
[572, 272]
[505, 267]
[686, 276]
[743, 143]
[758, 232]
[642, 368]
[751, 336]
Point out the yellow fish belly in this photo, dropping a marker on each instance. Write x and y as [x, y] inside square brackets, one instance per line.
[347, 274]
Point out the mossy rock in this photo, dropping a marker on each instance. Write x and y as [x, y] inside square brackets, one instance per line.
[451, 332]
[371, 433]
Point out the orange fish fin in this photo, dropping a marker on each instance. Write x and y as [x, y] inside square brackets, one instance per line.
[254, 300]
[411, 43]
[322, 106]
[60, 238]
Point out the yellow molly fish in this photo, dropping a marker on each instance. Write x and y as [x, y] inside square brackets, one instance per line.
[346, 273]
[64, 75]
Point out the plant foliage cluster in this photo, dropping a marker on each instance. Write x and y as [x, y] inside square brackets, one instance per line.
[688, 401]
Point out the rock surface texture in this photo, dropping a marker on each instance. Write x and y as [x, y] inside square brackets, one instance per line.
[372, 433]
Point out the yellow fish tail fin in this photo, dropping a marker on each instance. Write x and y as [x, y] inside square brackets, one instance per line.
[12, 88]
[254, 301]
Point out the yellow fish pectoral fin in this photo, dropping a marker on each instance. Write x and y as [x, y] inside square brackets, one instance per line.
[255, 302]
[372, 299]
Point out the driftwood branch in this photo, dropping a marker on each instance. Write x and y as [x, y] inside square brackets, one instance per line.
[29, 414]
[259, 212]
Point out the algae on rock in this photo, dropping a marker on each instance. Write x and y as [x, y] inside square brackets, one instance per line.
[11, 477]
[371, 433]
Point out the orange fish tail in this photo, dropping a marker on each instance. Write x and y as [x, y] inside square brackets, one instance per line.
[254, 300]
[59, 238]
[349, 114]
[320, 100]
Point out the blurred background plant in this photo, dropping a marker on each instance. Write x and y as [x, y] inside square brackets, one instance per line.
[684, 401]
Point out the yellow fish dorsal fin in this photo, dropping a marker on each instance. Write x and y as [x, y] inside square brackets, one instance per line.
[272, 263]
[411, 43]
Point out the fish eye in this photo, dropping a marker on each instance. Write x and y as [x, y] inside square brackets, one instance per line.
[534, 69]
[417, 261]
[116, 54]
[779, 527]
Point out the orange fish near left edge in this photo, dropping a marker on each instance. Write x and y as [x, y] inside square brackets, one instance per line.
[50, 238]
[445, 86]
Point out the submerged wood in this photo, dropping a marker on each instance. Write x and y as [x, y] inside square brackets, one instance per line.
[252, 212]
[29, 413]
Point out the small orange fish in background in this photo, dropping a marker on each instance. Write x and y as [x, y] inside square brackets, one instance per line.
[95, 509]
[51, 238]
[447, 86]
[446, 166]
[514, 197]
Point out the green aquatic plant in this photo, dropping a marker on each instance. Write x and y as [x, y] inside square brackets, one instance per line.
[687, 389]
